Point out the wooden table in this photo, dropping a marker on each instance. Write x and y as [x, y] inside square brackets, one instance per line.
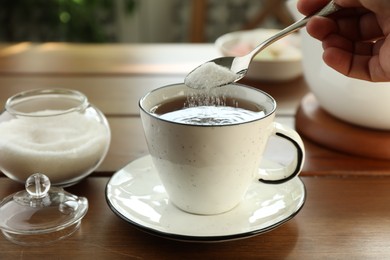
[346, 214]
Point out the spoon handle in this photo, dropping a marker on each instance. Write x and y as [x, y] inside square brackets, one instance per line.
[330, 8]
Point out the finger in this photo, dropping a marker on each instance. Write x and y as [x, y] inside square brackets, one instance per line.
[308, 7]
[320, 27]
[376, 6]
[377, 46]
[363, 27]
[349, 3]
[369, 27]
[356, 66]
[383, 47]
[339, 42]
[357, 48]
[378, 73]
[345, 62]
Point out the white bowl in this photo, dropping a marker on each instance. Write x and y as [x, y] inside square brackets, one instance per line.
[280, 61]
[354, 101]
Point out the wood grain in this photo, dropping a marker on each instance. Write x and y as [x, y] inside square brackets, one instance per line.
[343, 218]
[322, 128]
[346, 215]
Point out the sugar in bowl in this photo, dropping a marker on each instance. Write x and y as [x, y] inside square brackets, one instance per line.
[56, 132]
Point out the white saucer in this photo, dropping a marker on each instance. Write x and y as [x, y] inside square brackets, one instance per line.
[136, 194]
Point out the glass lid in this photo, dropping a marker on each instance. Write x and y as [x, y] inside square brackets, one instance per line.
[40, 214]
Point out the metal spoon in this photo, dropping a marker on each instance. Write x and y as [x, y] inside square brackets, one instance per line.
[238, 66]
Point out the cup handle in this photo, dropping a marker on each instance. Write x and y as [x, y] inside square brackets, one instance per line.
[293, 168]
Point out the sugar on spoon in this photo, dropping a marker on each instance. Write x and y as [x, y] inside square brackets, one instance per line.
[225, 70]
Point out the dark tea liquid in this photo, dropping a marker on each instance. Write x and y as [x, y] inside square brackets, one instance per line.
[221, 112]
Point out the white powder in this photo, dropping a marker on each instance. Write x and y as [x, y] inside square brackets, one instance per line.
[210, 75]
[61, 147]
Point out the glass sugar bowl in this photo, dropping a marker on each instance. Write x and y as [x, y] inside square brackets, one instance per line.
[56, 132]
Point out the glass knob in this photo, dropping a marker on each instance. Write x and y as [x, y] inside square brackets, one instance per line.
[37, 185]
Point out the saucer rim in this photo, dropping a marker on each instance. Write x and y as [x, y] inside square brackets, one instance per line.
[206, 239]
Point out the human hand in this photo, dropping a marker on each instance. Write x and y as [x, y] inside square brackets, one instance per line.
[356, 40]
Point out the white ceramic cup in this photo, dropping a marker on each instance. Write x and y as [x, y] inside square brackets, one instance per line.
[207, 169]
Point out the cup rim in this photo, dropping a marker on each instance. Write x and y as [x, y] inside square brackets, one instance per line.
[270, 113]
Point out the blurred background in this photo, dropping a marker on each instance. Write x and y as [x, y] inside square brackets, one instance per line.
[135, 21]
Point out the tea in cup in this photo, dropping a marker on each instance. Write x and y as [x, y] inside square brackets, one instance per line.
[207, 147]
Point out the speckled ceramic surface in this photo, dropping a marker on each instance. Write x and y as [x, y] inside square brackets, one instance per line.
[207, 168]
[136, 194]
